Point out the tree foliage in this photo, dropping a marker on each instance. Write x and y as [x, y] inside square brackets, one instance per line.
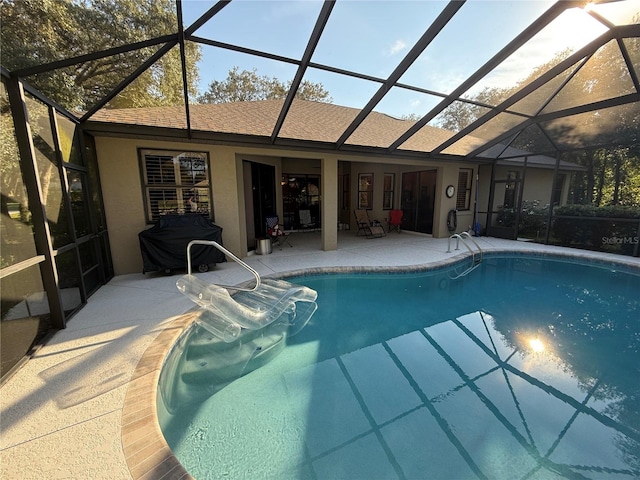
[36, 32]
[411, 117]
[612, 173]
[10, 177]
[247, 85]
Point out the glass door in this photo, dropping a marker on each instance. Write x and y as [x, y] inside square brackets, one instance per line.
[418, 200]
[263, 178]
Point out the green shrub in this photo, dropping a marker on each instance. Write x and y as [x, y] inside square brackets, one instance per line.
[597, 228]
[609, 211]
[532, 221]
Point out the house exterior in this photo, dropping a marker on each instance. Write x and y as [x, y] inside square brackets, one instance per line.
[75, 197]
[78, 186]
[239, 175]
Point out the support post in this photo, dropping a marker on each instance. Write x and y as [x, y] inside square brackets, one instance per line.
[329, 203]
[492, 189]
[553, 188]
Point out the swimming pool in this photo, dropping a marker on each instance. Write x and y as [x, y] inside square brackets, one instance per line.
[525, 368]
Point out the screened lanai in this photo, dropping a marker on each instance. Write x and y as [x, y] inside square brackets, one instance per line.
[575, 84]
[508, 88]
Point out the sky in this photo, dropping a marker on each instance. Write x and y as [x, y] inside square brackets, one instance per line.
[372, 37]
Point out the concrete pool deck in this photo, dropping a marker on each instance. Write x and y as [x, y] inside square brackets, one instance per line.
[80, 408]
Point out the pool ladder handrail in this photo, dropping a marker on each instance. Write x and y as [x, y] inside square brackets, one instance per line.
[475, 255]
[228, 254]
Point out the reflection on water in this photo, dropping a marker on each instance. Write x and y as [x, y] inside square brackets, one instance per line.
[523, 369]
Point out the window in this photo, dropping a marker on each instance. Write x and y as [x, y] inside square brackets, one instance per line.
[388, 192]
[463, 198]
[365, 191]
[175, 183]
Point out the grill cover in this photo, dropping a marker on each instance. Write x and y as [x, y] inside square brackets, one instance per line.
[164, 246]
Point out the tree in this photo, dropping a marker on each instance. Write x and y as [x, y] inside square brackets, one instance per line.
[10, 176]
[612, 172]
[247, 85]
[459, 115]
[58, 29]
[411, 117]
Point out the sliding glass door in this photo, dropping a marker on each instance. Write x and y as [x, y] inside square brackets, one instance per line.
[418, 200]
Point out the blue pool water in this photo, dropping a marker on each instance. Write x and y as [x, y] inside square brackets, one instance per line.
[526, 368]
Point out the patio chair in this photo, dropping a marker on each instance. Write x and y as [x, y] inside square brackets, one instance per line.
[276, 232]
[370, 228]
[305, 220]
[395, 220]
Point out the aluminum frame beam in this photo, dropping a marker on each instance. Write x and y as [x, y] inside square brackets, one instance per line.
[542, 21]
[568, 112]
[549, 75]
[427, 37]
[385, 85]
[321, 22]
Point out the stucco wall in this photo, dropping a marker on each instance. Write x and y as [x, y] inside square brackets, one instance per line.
[446, 174]
[123, 204]
[124, 201]
[329, 195]
[537, 186]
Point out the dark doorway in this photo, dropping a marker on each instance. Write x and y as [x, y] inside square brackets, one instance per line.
[418, 200]
[300, 192]
[263, 181]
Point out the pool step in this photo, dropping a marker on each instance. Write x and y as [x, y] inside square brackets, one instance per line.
[221, 362]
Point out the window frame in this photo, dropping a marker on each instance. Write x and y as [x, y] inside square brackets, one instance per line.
[388, 194]
[174, 182]
[464, 191]
[365, 196]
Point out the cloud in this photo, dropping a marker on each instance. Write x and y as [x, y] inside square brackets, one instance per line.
[397, 47]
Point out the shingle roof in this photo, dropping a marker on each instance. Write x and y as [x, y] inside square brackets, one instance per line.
[306, 120]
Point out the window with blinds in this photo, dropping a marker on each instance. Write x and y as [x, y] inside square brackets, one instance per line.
[463, 199]
[175, 183]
